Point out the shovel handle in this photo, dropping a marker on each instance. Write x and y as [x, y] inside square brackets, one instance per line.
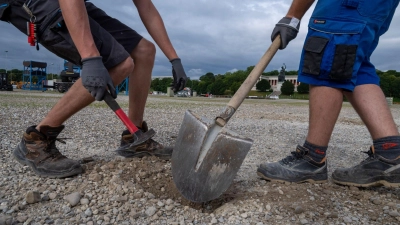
[120, 113]
[249, 83]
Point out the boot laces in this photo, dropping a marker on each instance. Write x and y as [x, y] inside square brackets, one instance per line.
[51, 148]
[370, 154]
[296, 155]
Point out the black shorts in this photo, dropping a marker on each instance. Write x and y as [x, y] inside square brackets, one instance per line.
[114, 40]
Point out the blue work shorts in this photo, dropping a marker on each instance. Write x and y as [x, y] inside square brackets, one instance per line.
[341, 38]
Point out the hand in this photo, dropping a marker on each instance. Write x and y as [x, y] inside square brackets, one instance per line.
[288, 29]
[96, 79]
[179, 75]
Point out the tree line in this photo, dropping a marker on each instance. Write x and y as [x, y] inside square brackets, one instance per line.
[229, 83]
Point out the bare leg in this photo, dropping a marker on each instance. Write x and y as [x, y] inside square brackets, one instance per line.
[139, 81]
[369, 102]
[78, 97]
[325, 104]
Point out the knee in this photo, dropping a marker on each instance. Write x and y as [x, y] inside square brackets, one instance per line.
[145, 50]
[121, 71]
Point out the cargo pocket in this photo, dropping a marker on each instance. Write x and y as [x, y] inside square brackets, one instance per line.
[343, 62]
[331, 49]
[313, 52]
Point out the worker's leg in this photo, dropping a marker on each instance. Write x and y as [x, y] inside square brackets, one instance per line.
[370, 103]
[139, 81]
[383, 164]
[325, 105]
[77, 97]
[305, 164]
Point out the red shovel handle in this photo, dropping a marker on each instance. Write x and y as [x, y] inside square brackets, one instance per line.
[120, 113]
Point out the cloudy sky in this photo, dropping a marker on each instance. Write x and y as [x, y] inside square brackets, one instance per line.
[208, 35]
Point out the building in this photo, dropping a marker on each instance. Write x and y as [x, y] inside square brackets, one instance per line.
[275, 85]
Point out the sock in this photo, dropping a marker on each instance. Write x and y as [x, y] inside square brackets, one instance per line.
[317, 153]
[388, 147]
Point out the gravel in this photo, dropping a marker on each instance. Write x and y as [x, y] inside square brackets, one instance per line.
[116, 190]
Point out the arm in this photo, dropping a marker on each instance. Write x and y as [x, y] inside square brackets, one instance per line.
[77, 21]
[155, 26]
[299, 8]
[95, 77]
[289, 26]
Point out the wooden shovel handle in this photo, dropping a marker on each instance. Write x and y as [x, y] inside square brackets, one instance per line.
[250, 81]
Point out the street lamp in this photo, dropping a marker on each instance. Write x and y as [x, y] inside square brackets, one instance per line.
[52, 72]
[6, 60]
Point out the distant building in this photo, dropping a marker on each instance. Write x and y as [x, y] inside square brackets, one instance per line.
[161, 77]
[273, 81]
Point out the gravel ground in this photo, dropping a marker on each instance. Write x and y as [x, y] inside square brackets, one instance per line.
[115, 190]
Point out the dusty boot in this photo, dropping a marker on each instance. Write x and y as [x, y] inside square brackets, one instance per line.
[38, 150]
[148, 148]
[376, 170]
[296, 168]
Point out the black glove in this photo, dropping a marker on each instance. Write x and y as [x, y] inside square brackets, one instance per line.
[96, 79]
[288, 29]
[179, 75]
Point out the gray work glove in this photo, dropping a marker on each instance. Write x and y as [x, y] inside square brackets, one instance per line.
[288, 29]
[96, 79]
[179, 75]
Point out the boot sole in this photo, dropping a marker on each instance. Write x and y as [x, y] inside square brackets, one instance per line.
[372, 184]
[312, 181]
[21, 159]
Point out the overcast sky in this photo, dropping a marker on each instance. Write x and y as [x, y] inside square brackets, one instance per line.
[209, 36]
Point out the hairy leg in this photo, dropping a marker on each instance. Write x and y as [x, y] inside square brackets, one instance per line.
[325, 105]
[78, 97]
[139, 81]
[369, 102]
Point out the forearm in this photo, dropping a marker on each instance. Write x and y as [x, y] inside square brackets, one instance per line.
[155, 26]
[299, 8]
[77, 21]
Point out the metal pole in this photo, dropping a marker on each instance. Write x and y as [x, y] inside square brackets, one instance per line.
[6, 60]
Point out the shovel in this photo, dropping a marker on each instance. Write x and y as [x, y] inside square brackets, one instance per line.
[138, 135]
[207, 156]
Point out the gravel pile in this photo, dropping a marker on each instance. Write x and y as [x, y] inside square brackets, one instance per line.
[116, 190]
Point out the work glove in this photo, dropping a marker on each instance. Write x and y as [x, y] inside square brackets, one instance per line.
[96, 79]
[288, 29]
[179, 75]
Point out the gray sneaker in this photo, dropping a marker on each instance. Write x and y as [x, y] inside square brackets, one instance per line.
[38, 150]
[147, 148]
[296, 168]
[373, 171]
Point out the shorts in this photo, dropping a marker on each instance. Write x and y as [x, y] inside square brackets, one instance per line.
[341, 38]
[114, 40]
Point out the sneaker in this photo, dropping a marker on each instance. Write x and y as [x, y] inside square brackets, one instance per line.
[296, 168]
[148, 148]
[373, 171]
[38, 150]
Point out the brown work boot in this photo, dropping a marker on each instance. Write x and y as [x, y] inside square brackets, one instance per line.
[38, 150]
[148, 148]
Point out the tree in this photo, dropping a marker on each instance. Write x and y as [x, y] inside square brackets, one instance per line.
[287, 88]
[235, 86]
[263, 85]
[303, 88]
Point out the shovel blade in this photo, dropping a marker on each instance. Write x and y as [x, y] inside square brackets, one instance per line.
[208, 179]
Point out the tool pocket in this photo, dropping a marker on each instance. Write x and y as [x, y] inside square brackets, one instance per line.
[331, 49]
[3, 11]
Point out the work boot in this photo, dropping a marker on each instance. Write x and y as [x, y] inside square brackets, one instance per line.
[38, 150]
[373, 171]
[296, 168]
[147, 148]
